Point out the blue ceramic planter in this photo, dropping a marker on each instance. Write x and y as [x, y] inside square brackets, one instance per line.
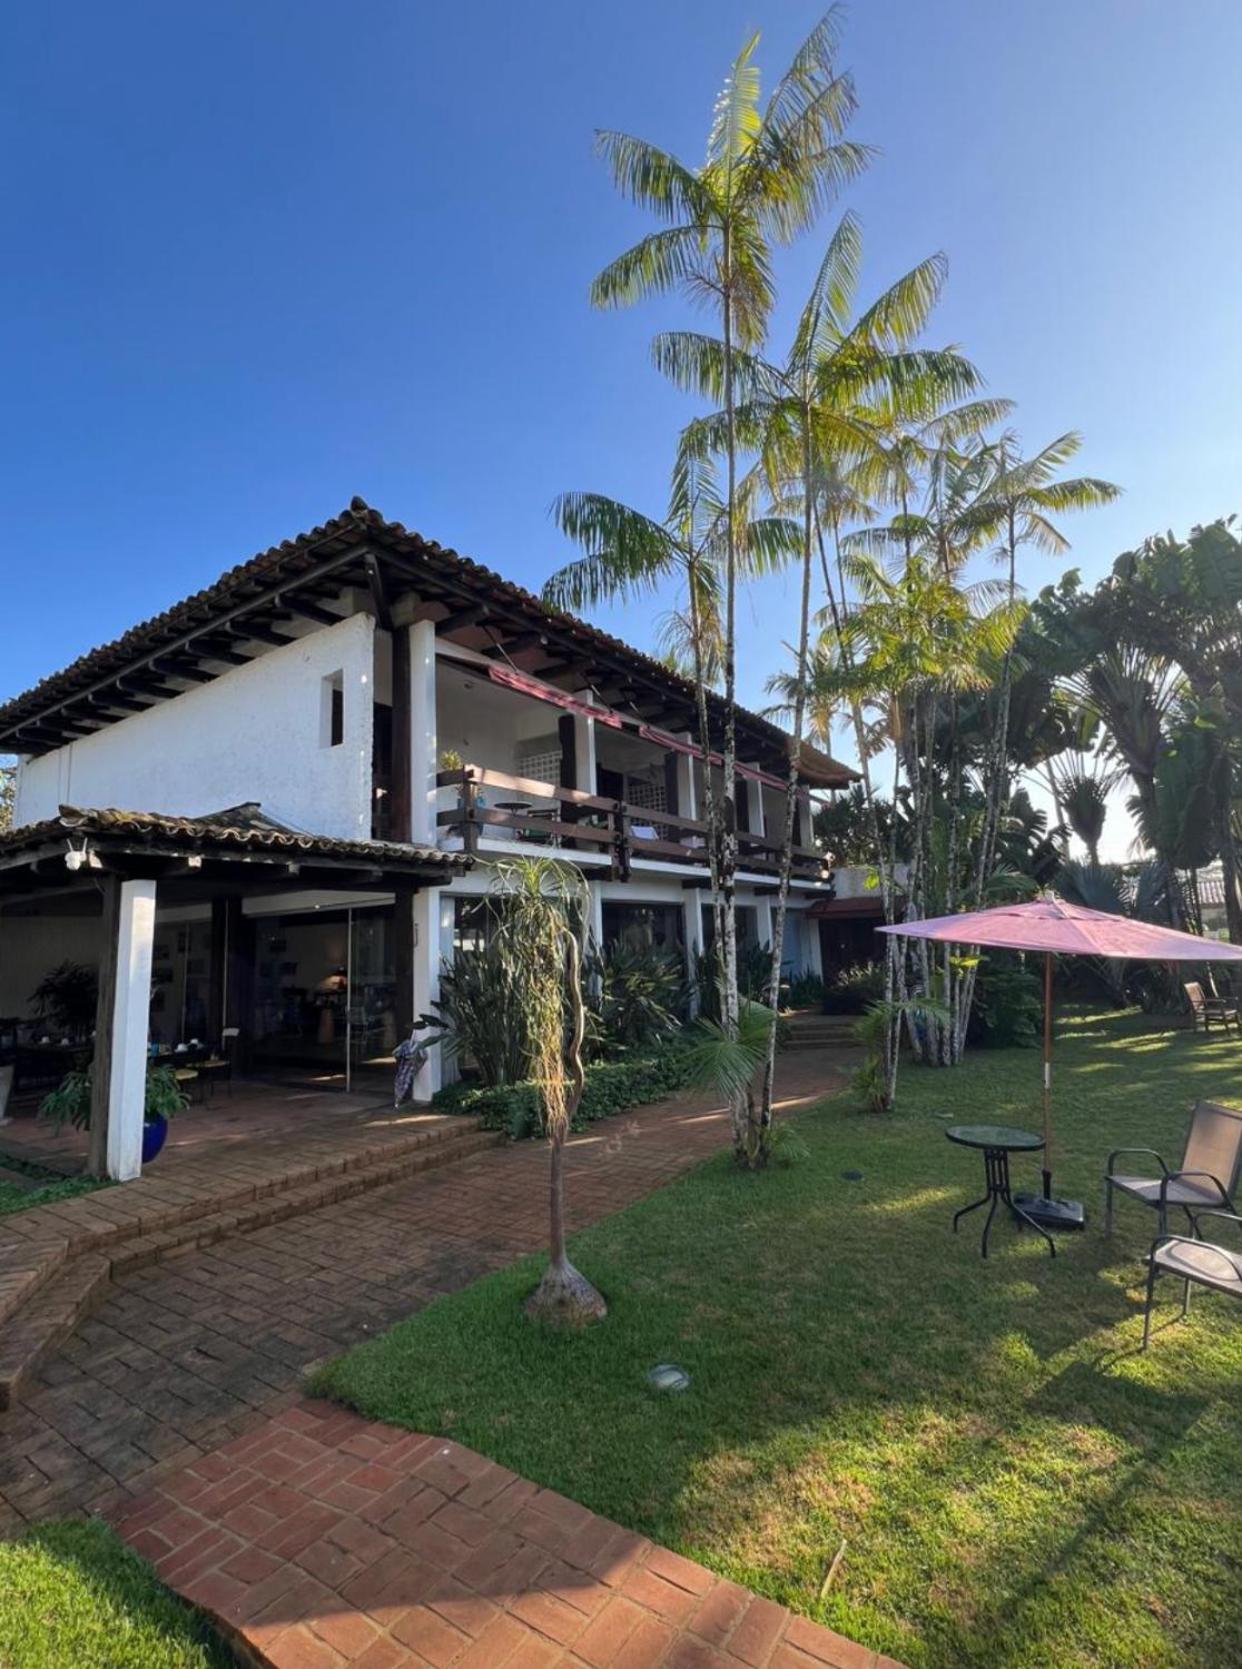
[154, 1135]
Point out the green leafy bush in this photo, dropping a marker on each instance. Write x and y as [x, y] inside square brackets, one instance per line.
[483, 1009]
[639, 999]
[805, 991]
[611, 1087]
[853, 990]
[1009, 1006]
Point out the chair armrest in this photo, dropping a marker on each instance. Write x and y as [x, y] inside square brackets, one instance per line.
[1118, 1151]
[1199, 1245]
[1176, 1176]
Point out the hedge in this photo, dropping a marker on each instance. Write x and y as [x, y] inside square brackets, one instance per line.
[611, 1087]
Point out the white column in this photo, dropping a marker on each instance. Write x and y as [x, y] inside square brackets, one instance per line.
[687, 782]
[131, 1010]
[584, 746]
[812, 961]
[427, 913]
[763, 920]
[424, 753]
[595, 915]
[692, 931]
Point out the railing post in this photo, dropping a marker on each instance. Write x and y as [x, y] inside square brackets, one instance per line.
[466, 800]
[620, 841]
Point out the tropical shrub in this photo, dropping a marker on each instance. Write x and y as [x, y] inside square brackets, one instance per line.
[484, 1012]
[1009, 1006]
[854, 989]
[611, 1087]
[805, 991]
[68, 996]
[638, 1001]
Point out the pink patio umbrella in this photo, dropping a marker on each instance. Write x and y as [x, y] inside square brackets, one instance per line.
[1056, 928]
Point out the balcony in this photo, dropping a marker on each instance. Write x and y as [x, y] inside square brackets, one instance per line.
[487, 810]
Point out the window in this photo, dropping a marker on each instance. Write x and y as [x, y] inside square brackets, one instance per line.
[332, 710]
[643, 926]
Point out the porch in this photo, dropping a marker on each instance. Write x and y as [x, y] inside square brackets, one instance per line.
[183, 932]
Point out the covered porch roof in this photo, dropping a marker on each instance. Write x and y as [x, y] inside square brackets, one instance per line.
[193, 858]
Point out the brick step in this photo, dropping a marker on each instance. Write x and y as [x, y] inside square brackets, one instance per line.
[61, 1300]
[34, 1245]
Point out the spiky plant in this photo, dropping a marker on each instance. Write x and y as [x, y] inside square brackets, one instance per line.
[543, 917]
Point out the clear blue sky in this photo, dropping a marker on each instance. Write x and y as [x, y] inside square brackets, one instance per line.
[260, 257]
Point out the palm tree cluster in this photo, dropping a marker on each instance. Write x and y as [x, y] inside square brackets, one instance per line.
[1148, 668]
[865, 460]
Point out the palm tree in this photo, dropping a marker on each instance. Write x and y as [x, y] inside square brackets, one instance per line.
[914, 634]
[769, 171]
[542, 911]
[629, 555]
[1022, 497]
[809, 420]
[1080, 786]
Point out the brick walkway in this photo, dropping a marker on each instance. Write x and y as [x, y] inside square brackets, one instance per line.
[321, 1541]
[184, 1355]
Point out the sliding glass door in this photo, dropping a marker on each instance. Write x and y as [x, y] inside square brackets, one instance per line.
[323, 994]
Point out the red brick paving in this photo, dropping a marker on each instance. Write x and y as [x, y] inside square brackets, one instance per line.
[184, 1355]
[439, 1557]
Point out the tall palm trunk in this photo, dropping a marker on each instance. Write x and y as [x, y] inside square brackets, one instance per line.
[730, 1003]
[760, 1138]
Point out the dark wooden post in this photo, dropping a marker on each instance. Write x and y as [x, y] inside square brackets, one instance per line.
[105, 1015]
[620, 841]
[218, 975]
[672, 797]
[241, 936]
[567, 733]
[470, 827]
[403, 962]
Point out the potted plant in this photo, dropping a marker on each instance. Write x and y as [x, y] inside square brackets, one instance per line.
[70, 1103]
[67, 997]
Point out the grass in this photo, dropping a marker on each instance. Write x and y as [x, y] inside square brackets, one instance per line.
[72, 1596]
[13, 1197]
[1015, 1483]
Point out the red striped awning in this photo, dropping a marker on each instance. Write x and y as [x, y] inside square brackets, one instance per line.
[764, 777]
[675, 744]
[524, 684]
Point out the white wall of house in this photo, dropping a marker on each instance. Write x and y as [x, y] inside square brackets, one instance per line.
[257, 732]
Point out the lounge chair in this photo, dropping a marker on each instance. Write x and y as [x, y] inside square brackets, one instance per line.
[1206, 1012]
[1196, 1261]
[1205, 1179]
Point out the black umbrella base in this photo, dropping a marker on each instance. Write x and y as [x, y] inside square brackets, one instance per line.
[1051, 1213]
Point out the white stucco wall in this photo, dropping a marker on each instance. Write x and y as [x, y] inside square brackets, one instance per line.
[254, 733]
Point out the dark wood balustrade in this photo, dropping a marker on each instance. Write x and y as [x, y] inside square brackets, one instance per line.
[568, 817]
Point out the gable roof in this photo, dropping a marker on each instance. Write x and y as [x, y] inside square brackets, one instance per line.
[299, 578]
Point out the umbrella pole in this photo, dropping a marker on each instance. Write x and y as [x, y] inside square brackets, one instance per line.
[1047, 1074]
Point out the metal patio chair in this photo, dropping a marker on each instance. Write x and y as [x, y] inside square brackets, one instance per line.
[1205, 1179]
[1196, 1261]
[1206, 1012]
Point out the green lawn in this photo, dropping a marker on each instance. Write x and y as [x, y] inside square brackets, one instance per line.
[73, 1597]
[13, 1197]
[1015, 1484]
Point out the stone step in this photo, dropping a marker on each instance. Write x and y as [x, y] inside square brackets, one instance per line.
[57, 1303]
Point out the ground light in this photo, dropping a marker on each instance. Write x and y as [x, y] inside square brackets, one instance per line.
[667, 1376]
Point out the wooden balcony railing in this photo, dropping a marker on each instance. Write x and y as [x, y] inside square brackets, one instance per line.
[542, 814]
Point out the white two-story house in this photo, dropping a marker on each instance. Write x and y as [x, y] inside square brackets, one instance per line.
[269, 813]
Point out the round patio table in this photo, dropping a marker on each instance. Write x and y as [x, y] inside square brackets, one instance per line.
[998, 1141]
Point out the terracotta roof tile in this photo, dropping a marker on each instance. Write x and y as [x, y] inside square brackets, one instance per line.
[357, 526]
